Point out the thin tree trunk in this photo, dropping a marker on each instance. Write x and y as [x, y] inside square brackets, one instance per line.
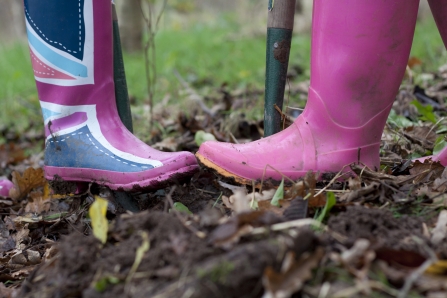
[12, 22]
[130, 21]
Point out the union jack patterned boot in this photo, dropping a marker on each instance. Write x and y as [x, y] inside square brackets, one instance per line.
[71, 52]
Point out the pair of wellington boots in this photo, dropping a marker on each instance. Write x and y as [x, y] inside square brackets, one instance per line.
[359, 54]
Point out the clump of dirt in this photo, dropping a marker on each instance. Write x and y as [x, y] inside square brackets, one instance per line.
[380, 227]
[176, 262]
[85, 266]
[60, 186]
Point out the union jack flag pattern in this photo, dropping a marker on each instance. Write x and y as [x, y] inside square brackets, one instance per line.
[60, 36]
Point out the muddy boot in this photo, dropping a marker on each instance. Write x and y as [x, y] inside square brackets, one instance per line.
[360, 50]
[439, 10]
[71, 52]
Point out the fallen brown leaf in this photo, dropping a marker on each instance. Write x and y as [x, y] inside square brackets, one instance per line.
[229, 232]
[292, 276]
[267, 206]
[427, 171]
[400, 257]
[439, 233]
[30, 179]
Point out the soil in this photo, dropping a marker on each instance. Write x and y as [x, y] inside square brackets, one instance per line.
[383, 237]
[179, 262]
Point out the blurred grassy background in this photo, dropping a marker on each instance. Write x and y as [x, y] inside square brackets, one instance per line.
[207, 52]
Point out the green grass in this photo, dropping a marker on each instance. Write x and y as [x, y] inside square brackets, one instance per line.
[428, 46]
[205, 55]
[17, 88]
[211, 55]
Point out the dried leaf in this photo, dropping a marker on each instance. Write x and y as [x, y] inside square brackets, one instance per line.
[97, 213]
[39, 203]
[439, 233]
[440, 201]
[21, 236]
[430, 282]
[33, 256]
[50, 252]
[292, 276]
[401, 257]
[427, 171]
[267, 206]
[7, 292]
[30, 179]
[413, 61]
[19, 259]
[229, 232]
[241, 201]
[23, 273]
[141, 250]
[317, 201]
[297, 190]
[303, 188]
[354, 183]
[438, 268]
[421, 135]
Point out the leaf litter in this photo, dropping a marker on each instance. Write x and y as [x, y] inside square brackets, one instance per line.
[379, 233]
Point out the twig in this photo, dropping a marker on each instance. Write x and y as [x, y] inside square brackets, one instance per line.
[434, 125]
[233, 138]
[298, 224]
[418, 272]
[403, 293]
[410, 75]
[339, 174]
[150, 52]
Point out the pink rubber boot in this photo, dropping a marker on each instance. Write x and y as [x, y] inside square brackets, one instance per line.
[439, 10]
[71, 51]
[360, 50]
[5, 187]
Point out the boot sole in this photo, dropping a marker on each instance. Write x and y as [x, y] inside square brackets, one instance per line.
[222, 172]
[109, 178]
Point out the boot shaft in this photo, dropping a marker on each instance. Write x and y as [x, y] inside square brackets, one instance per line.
[439, 11]
[360, 50]
[71, 50]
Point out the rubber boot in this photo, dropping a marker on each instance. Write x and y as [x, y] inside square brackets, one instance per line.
[5, 187]
[360, 50]
[439, 11]
[71, 51]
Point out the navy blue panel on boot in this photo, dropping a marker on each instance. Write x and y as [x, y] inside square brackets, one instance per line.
[57, 21]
